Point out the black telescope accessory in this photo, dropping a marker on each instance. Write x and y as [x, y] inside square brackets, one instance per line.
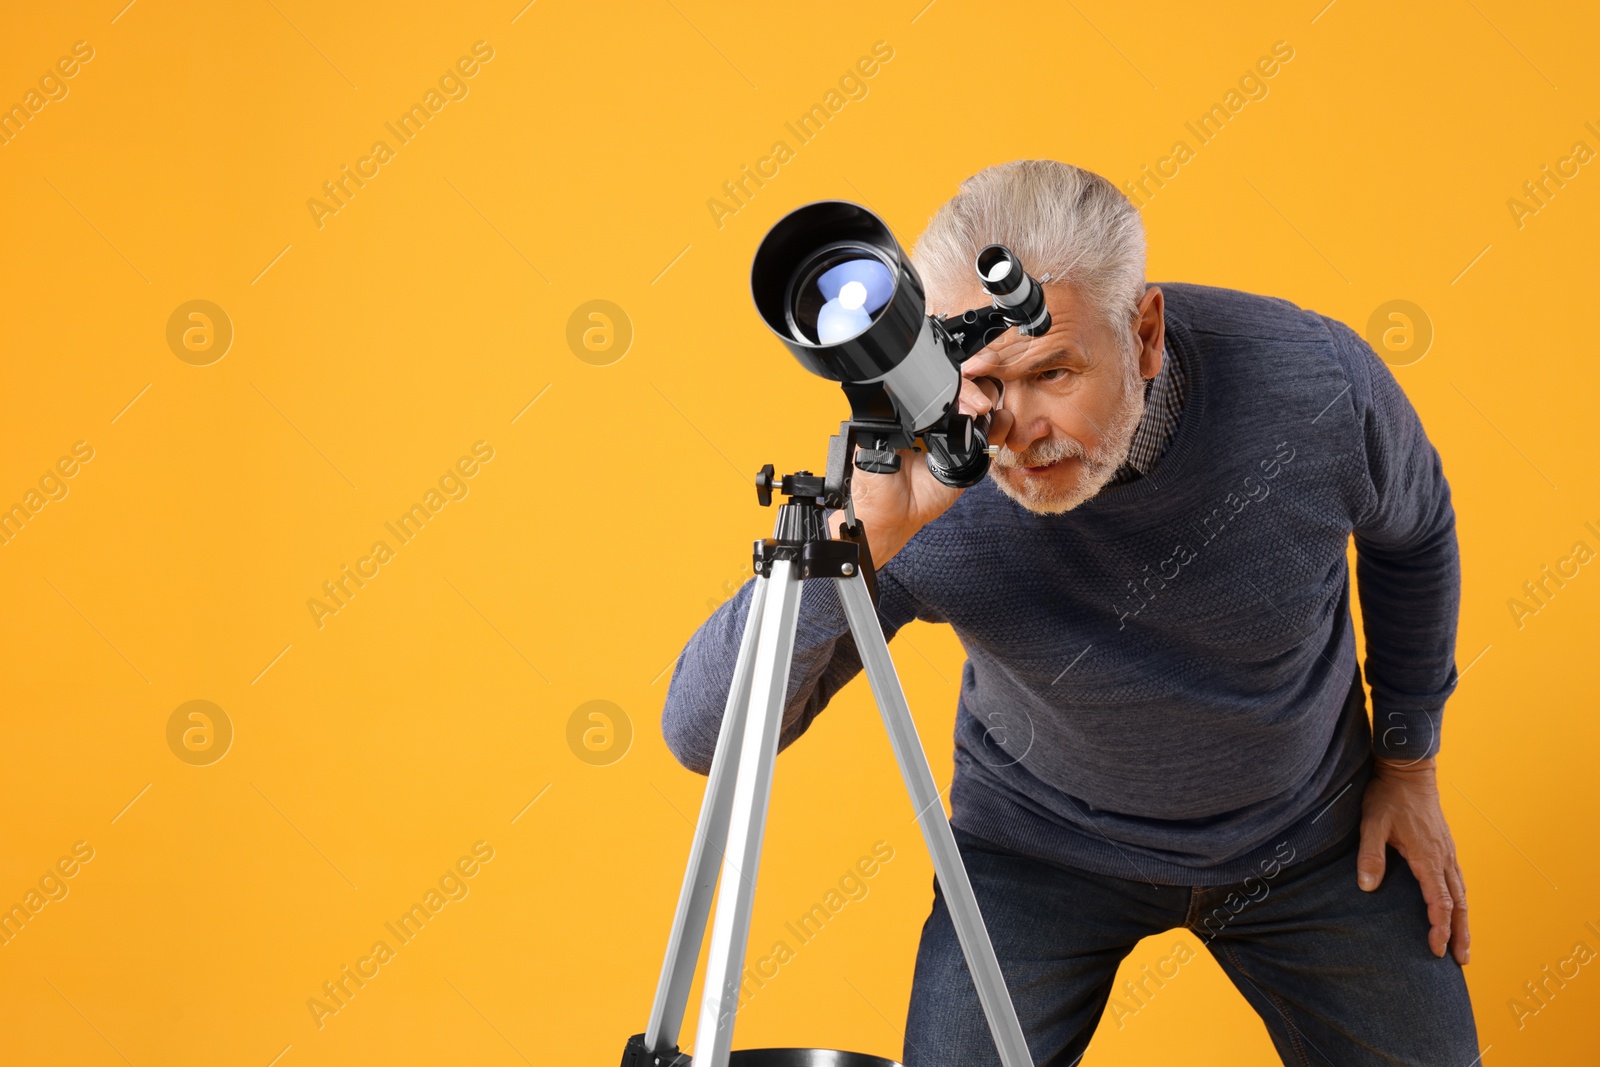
[958, 454]
[833, 283]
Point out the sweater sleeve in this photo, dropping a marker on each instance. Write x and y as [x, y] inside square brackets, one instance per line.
[825, 658]
[1408, 567]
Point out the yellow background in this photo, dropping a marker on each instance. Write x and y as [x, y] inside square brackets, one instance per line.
[369, 354]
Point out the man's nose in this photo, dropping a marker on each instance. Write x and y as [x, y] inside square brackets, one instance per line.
[1029, 423]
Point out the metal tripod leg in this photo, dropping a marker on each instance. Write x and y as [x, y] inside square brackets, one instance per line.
[735, 808]
[710, 833]
[947, 865]
[758, 751]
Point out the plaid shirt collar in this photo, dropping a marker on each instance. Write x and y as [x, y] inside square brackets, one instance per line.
[1163, 405]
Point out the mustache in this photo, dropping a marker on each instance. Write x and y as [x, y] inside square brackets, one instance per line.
[1040, 453]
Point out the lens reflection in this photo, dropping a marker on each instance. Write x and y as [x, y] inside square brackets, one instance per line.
[838, 294]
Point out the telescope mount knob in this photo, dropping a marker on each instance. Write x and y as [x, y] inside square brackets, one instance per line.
[765, 482]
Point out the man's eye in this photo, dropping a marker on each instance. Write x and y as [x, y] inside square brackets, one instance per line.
[1053, 374]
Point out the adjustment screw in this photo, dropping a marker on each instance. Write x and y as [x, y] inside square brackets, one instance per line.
[847, 569]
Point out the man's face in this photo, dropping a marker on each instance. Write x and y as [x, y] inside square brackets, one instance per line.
[1074, 396]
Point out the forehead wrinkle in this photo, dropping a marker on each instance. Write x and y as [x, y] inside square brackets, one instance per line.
[1061, 349]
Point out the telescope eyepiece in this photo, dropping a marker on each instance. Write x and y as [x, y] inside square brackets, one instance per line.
[1013, 290]
[999, 271]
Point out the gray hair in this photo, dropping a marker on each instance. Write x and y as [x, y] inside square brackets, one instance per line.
[1063, 221]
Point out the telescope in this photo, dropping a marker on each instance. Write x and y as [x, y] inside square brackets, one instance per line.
[833, 283]
[836, 287]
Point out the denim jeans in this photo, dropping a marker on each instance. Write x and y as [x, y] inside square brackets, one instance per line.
[1339, 976]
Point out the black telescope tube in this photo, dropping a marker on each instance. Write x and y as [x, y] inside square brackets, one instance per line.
[793, 243]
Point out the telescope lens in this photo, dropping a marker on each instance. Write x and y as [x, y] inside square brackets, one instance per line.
[837, 294]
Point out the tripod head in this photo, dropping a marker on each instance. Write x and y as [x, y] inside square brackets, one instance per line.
[801, 532]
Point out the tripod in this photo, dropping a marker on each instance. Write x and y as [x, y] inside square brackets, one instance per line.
[739, 788]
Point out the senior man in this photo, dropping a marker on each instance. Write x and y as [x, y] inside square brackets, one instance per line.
[1162, 722]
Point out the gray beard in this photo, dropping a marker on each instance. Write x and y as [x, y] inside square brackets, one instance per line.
[1099, 464]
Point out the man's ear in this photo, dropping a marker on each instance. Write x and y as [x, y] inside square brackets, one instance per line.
[1151, 330]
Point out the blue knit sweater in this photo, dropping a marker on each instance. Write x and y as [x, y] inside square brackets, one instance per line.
[1161, 684]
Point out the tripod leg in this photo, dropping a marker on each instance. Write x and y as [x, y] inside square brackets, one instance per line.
[952, 873]
[700, 877]
[758, 751]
